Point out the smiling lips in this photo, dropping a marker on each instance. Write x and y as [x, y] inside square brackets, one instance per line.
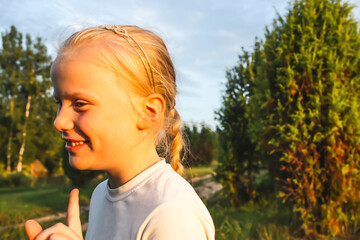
[73, 146]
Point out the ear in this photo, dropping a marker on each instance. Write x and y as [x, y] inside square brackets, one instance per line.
[151, 112]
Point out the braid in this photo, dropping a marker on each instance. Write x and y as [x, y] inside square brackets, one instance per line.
[175, 141]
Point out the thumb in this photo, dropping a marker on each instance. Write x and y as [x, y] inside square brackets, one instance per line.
[73, 213]
[32, 229]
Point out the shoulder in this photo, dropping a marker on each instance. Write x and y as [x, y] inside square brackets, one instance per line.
[101, 187]
[99, 192]
[172, 186]
[178, 220]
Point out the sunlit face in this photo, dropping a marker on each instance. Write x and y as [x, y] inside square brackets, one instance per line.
[95, 115]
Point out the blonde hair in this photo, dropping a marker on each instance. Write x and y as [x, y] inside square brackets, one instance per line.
[126, 58]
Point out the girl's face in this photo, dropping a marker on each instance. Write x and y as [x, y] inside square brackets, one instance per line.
[95, 115]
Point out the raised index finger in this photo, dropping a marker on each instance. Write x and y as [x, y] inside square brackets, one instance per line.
[73, 213]
[32, 229]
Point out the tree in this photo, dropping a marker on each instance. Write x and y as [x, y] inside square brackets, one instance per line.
[26, 115]
[313, 55]
[202, 145]
[298, 97]
[10, 74]
[237, 158]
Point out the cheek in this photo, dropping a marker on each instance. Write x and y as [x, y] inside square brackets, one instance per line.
[110, 127]
[102, 127]
[123, 130]
[91, 125]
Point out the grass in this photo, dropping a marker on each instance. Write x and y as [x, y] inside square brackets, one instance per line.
[199, 171]
[34, 202]
[263, 220]
[20, 204]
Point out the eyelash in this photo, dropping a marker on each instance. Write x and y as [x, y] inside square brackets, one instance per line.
[79, 104]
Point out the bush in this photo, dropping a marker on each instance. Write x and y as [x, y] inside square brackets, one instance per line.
[2, 168]
[4, 180]
[57, 181]
[17, 179]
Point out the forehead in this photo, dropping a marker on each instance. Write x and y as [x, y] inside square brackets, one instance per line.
[77, 55]
[75, 74]
[95, 55]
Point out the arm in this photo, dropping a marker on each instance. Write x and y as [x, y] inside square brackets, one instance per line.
[59, 231]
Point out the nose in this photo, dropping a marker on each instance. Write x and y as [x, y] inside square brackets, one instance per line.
[64, 120]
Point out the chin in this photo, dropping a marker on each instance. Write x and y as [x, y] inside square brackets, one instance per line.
[78, 164]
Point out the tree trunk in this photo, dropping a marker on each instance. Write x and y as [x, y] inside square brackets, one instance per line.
[22, 148]
[8, 153]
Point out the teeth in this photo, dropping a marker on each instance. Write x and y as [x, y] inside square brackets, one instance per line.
[76, 143]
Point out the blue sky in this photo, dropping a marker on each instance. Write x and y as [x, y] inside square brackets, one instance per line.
[204, 37]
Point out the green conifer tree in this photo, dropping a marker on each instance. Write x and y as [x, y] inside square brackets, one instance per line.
[301, 107]
[313, 70]
[237, 158]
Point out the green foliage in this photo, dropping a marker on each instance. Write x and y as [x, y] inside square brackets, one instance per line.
[16, 179]
[296, 99]
[238, 162]
[201, 143]
[314, 55]
[25, 78]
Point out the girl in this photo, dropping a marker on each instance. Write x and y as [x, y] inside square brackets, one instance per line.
[115, 86]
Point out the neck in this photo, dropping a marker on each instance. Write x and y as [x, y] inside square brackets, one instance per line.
[136, 162]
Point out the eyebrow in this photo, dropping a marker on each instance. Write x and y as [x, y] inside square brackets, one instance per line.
[79, 94]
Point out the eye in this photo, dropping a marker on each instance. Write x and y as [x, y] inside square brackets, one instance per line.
[80, 105]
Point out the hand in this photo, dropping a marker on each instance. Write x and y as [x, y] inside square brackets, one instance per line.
[59, 231]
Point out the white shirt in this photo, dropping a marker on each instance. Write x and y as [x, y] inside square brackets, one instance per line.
[156, 204]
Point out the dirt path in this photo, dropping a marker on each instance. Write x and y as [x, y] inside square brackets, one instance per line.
[206, 186]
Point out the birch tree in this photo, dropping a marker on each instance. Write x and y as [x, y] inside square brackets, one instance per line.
[25, 77]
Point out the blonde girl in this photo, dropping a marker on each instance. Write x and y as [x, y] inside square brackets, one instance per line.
[115, 86]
